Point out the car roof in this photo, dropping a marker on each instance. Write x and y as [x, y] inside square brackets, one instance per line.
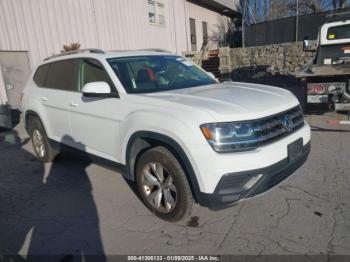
[100, 54]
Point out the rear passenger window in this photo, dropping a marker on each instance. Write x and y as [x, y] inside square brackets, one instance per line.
[62, 75]
[92, 70]
[40, 75]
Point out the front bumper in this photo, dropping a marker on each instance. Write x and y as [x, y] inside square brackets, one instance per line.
[231, 187]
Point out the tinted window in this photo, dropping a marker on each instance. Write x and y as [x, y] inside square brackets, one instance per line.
[40, 75]
[62, 75]
[338, 32]
[92, 70]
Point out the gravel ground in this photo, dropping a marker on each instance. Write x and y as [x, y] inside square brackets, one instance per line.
[74, 207]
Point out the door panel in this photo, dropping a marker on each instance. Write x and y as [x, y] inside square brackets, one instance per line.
[61, 80]
[56, 104]
[94, 122]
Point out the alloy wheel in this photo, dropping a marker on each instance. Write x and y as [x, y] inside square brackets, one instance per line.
[38, 143]
[158, 187]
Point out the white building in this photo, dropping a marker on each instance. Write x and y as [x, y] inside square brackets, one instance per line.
[31, 30]
[42, 27]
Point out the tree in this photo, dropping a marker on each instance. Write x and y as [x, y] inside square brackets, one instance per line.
[264, 10]
[280, 9]
[316, 6]
[339, 4]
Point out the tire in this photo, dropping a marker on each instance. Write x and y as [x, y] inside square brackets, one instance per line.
[155, 193]
[42, 147]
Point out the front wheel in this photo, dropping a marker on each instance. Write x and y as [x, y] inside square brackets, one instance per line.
[163, 185]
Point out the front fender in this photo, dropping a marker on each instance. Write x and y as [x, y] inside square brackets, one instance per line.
[167, 131]
[178, 130]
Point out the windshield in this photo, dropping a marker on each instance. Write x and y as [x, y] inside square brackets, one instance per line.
[144, 74]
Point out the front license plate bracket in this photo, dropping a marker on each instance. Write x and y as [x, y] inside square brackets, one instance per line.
[295, 150]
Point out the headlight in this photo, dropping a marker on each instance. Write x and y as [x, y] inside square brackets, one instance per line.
[251, 134]
[228, 137]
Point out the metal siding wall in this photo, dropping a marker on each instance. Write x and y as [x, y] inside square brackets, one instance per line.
[213, 19]
[43, 26]
[283, 30]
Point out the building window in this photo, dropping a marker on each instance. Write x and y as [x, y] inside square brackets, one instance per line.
[205, 32]
[156, 12]
[193, 34]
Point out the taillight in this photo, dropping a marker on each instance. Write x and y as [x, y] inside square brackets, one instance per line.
[310, 89]
[319, 89]
[315, 89]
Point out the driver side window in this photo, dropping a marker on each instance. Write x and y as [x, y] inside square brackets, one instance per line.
[92, 70]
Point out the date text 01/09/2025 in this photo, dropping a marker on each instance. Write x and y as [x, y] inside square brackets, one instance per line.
[173, 258]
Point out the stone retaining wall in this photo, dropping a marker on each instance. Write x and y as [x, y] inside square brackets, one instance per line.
[281, 58]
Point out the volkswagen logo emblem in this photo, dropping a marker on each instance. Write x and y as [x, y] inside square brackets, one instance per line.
[287, 123]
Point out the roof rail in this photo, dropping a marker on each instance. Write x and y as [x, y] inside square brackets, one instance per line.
[90, 50]
[143, 49]
[156, 50]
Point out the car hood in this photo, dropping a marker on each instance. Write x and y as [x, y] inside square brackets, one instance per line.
[232, 101]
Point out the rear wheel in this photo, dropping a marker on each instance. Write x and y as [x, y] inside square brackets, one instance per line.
[163, 185]
[42, 148]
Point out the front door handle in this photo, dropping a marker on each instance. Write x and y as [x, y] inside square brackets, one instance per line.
[72, 104]
[44, 99]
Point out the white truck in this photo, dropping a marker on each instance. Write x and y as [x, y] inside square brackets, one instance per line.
[327, 78]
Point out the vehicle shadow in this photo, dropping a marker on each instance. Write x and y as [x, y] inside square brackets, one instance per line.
[46, 215]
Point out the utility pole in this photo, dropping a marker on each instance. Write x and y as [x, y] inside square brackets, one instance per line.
[243, 21]
[297, 22]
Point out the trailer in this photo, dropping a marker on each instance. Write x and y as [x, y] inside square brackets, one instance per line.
[327, 77]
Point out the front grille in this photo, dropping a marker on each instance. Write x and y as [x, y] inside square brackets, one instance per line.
[271, 128]
[279, 125]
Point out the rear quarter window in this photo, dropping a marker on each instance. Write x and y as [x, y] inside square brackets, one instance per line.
[41, 75]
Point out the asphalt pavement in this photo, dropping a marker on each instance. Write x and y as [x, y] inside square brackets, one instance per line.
[74, 207]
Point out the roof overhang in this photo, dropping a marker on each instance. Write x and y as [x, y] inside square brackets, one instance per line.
[217, 7]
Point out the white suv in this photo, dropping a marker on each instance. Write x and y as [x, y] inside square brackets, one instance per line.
[183, 136]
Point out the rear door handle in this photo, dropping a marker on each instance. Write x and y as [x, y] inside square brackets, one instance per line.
[72, 104]
[44, 99]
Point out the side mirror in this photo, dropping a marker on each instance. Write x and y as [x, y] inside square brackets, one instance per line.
[97, 89]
